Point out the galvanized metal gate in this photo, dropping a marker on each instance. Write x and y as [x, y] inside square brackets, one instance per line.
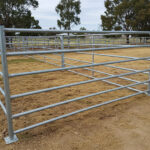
[60, 49]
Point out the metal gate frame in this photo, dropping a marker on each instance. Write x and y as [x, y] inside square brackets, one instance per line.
[5, 75]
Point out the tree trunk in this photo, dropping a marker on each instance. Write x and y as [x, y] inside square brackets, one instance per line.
[127, 39]
[68, 41]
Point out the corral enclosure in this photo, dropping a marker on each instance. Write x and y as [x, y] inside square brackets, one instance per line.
[53, 77]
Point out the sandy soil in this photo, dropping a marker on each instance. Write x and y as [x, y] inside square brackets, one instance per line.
[121, 126]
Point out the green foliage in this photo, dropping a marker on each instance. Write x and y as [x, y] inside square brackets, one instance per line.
[68, 11]
[15, 13]
[126, 15]
[82, 29]
[52, 28]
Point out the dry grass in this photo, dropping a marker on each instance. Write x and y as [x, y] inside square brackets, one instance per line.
[88, 130]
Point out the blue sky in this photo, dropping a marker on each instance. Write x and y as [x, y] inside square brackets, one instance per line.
[90, 13]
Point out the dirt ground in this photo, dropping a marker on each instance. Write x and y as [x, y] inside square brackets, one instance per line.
[121, 125]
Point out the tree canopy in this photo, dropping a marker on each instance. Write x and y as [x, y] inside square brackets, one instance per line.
[68, 11]
[82, 29]
[129, 15]
[16, 13]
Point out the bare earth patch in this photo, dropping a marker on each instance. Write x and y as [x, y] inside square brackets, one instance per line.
[122, 125]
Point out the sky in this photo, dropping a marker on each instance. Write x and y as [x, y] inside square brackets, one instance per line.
[90, 14]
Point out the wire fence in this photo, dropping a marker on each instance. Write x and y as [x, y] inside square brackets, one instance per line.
[54, 50]
[20, 43]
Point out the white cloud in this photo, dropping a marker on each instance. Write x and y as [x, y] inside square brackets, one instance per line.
[90, 13]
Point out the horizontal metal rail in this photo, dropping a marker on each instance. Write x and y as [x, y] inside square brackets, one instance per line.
[72, 31]
[69, 50]
[105, 44]
[122, 68]
[76, 112]
[112, 83]
[44, 61]
[3, 107]
[110, 55]
[98, 70]
[128, 79]
[77, 67]
[77, 83]
[51, 58]
[76, 99]
[65, 36]
[60, 65]
[107, 55]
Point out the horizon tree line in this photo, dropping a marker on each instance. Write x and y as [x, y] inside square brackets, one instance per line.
[126, 15]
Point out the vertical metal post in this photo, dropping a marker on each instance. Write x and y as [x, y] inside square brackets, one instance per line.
[144, 40]
[78, 42]
[23, 44]
[93, 46]
[55, 42]
[68, 40]
[11, 136]
[148, 92]
[62, 54]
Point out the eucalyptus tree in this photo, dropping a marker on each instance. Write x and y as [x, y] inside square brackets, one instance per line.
[128, 15]
[16, 13]
[68, 11]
